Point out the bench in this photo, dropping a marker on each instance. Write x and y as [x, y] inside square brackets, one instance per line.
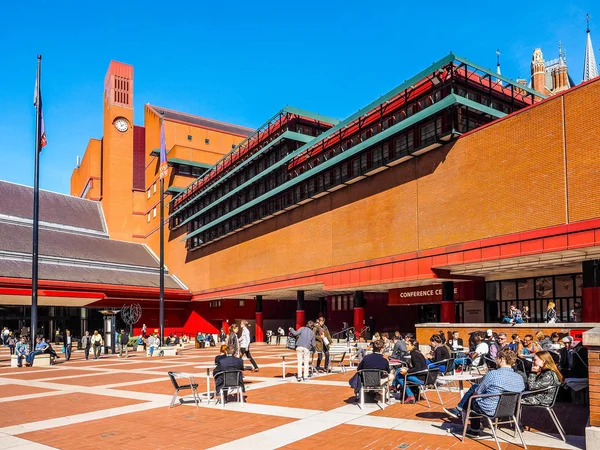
[164, 351]
[42, 360]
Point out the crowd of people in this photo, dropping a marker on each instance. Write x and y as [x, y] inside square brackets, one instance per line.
[516, 315]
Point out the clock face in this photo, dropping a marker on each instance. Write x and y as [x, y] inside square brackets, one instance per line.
[121, 125]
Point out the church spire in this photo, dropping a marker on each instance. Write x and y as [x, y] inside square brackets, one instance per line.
[590, 70]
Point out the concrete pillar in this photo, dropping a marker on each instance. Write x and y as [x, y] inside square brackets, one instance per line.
[260, 337]
[359, 311]
[448, 306]
[591, 339]
[300, 319]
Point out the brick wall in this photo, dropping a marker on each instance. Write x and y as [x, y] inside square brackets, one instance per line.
[594, 379]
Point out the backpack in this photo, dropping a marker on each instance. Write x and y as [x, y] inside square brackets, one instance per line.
[494, 348]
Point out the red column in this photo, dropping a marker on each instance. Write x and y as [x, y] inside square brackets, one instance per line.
[260, 337]
[448, 312]
[300, 322]
[591, 304]
[359, 318]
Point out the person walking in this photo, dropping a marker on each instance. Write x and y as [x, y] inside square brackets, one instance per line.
[67, 344]
[152, 343]
[551, 313]
[305, 343]
[124, 343]
[97, 344]
[86, 343]
[245, 345]
[233, 340]
[12, 343]
[5, 334]
[222, 336]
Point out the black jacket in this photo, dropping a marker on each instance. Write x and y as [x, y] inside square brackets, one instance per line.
[374, 361]
[459, 341]
[224, 364]
[124, 338]
[417, 363]
[440, 353]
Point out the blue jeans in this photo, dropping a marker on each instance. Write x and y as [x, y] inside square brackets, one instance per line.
[436, 365]
[399, 381]
[462, 361]
[509, 320]
[20, 357]
[29, 358]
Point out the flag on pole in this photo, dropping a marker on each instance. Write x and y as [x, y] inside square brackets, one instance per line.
[37, 98]
[164, 165]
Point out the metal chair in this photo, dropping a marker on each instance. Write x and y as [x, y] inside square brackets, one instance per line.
[431, 375]
[548, 407]
[449, 365]
[490, 363]
[232, 382]
[508, 407]
[192, 385]
[370, 381]
[337, 358]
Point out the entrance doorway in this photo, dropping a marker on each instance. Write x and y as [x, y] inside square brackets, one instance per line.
[430, 313]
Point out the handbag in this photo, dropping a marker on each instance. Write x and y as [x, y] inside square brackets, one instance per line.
[290, 343]
[325, 341]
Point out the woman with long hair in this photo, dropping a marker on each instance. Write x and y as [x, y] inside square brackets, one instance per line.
[233, 340]
[222, 354]
[544, 374]
[245, 345]
[551, 313]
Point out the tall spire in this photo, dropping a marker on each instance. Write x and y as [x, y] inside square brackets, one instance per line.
[498, 62]
[590, 69]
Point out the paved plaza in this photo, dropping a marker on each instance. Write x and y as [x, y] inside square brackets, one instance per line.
[124, 403]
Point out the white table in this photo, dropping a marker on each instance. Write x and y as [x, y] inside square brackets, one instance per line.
[461, 378]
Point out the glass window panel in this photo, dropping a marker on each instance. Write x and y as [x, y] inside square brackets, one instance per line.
[578, 284]
[492, 291]
[339, 303]
[525, 288]
[543, 287]
[509, 290]
[564, 286]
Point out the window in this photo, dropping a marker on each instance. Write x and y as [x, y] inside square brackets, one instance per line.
[345, 303]
[214, 304]
[189, 137]
[148, 217]
[241, 303]
[207, 141]
[232, 146]
[339, 303]
[196, 171]
[154, 188]
[149, 193]
[184, 169]
[154, 212]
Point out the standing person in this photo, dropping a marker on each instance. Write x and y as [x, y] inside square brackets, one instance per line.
[525, 314]
[118, 342]
[96, 344]
[144, 332]
[551, 313]
[124, 343]
[280, 333]
[305, 342]
[67, 344]
[12, 343]
[21, 351]
[222, 336]
[245, 345]
[86, 343]
[233, 340]
[5, 334]
[152, 344]
[325, 341]
[503, 379]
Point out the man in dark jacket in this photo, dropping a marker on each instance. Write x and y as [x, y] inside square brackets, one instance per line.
[124, 341]
[67, 343]
[229, 362]
[374, 360]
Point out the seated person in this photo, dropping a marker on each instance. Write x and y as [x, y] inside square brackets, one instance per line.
[544, 373]
[168, 340]
[399, 350]
[21, 351]
[476, 356]
[514, 316]
[375, 360]
[50, 351]
[455, 343]
[176, 339]
[225, 363]
[40, 347]
[503, 342]
[222, 354]
[439, 352]
[211, 340]
[417, 364]
[528, 347]
[504, 379]
[515, 343]
[573, 359]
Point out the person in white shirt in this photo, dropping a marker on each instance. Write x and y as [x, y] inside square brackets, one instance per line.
[481, 349]
[151, 344]
[245, 345]
[280, 333]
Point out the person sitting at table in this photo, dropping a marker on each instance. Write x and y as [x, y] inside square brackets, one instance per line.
[399, 351]
[528, 347]
[222, 354]
[504, 379]
[573, 359]
[544, 374]
[439, 352]
[503, 342]
[417, 363]
[474, 357]
[226, 363]
[515, 343]
[442, 336]
[455, 343]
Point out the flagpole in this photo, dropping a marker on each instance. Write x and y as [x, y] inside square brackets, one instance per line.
[36, 210]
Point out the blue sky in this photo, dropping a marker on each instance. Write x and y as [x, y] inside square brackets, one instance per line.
[241, 62]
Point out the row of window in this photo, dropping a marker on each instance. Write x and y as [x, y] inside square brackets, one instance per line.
[218, 303]
[152, 214]
[184, 169]
[342, 303]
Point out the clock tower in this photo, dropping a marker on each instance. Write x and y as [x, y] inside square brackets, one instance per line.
[117, 190]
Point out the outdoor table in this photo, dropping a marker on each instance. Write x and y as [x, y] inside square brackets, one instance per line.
[454, 353]
[283, 365]
[461, 378]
